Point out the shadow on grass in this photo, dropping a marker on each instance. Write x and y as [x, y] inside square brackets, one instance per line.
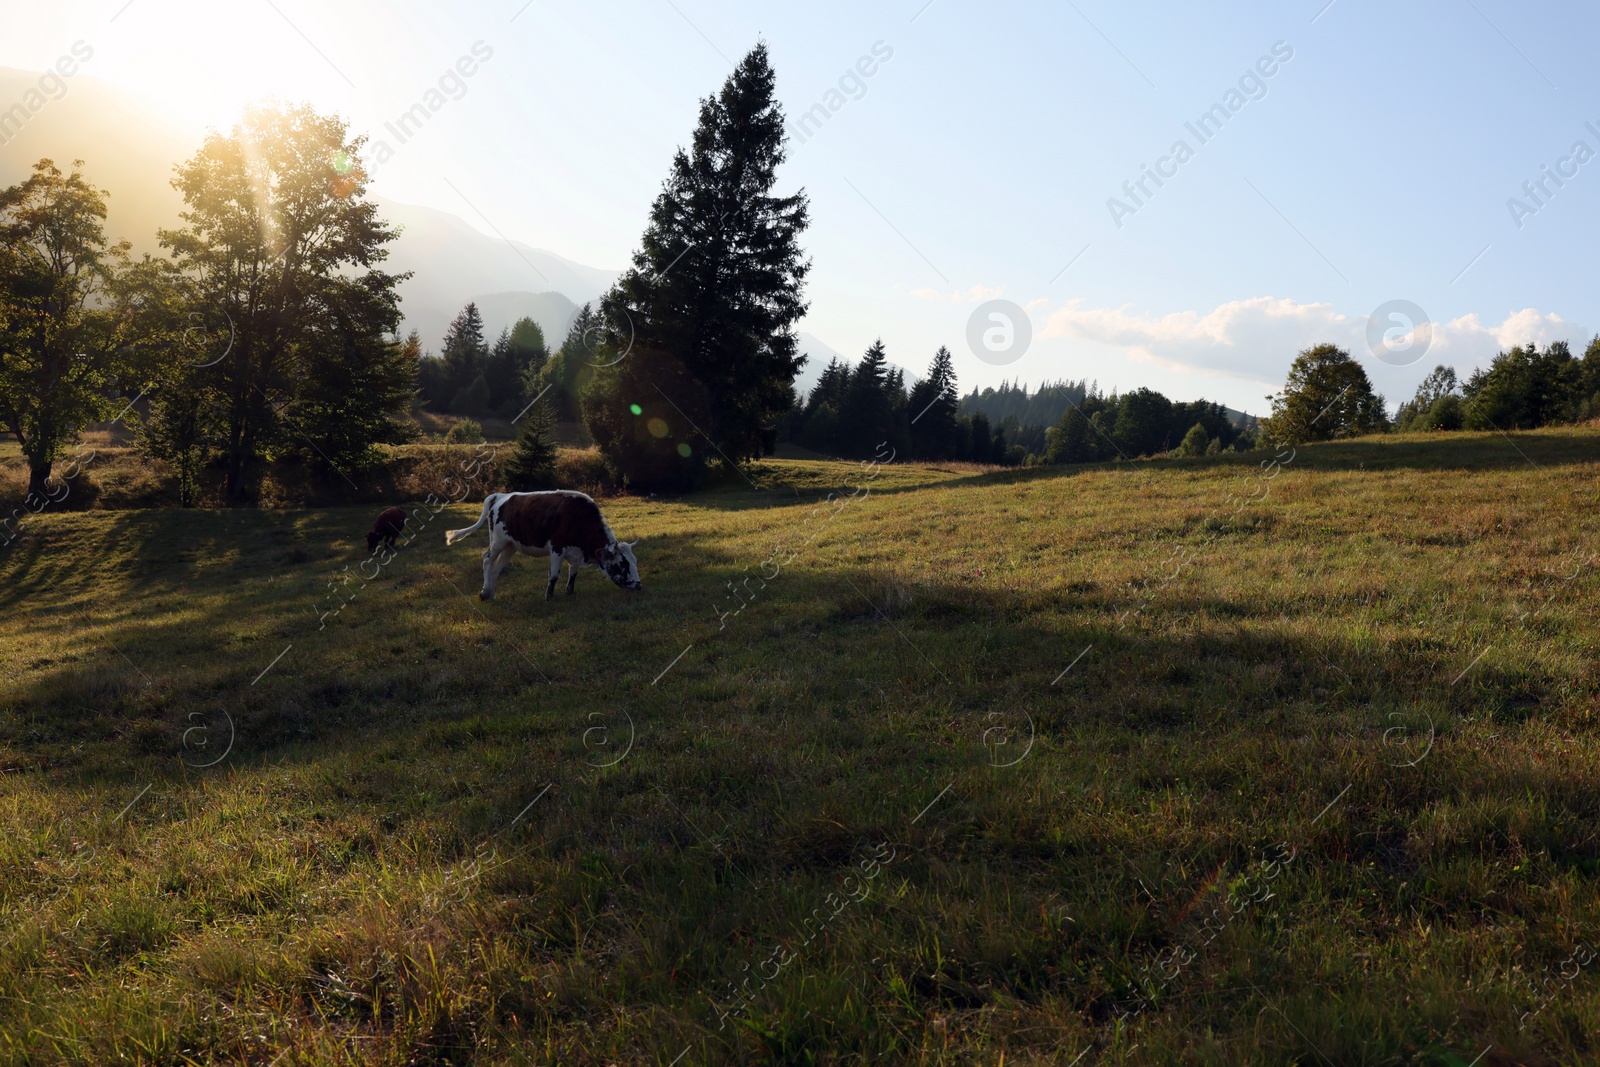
[841, 709]
[212, 616]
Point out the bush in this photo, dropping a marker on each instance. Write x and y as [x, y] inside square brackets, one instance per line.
[1195, 442]
[447, 472]
[465, 432]
[143, 484]
[585, 469]
[1445, 414]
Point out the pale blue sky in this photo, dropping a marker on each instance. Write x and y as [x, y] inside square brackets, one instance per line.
[980, 158]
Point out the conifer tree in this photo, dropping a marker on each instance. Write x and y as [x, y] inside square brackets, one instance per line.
[568, 373]
[517, 357]
[464, 355]
[713, 294]
[867, 418]
[932, 408]
[533, 465]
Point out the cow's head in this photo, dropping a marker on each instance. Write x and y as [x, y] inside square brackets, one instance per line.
[617, 561]
[372, 542]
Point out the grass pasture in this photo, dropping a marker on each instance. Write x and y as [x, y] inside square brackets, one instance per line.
[1165, 762]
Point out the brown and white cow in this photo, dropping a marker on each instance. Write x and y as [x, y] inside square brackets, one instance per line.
[559, 523]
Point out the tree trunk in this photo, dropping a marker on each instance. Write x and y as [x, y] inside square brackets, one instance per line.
[239, 445]
[38, 476]
[234, 486]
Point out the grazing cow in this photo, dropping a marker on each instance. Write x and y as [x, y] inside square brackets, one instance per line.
[559, 523]
[386, 529]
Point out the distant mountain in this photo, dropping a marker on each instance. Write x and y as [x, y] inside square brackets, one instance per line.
[127, 150]
[817, 355]
[453, 263]
[1244, 421]
[552, 311]
[130, 151]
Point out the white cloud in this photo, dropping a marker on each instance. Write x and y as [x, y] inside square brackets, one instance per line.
[1467, 338]
[1256, 339]
[976, 295]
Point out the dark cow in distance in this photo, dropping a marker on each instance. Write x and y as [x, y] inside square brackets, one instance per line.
[559, 523]
[386, 529]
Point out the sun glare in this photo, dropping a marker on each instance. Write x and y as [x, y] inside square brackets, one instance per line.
[202, 65]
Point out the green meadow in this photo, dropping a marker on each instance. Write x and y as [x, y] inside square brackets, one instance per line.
[1232, 761]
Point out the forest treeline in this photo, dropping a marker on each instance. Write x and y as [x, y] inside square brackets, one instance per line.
[1328, 395]
[852, 409]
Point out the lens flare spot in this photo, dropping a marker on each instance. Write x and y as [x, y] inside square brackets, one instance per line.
[636, 409]
[684, 450]
[658, 427]
[341, 162]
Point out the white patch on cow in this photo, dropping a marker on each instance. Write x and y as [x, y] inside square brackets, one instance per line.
[623, 568]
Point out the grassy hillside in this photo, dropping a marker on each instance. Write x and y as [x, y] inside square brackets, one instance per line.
[1163, 762]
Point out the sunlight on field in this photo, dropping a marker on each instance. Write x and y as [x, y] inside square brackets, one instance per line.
[966, 764]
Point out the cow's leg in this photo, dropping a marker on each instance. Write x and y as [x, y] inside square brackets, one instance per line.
[573, 562]
[507, 554]
[495, 558]
[555, 573]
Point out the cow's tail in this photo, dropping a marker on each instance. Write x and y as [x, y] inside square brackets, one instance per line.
[452, 536]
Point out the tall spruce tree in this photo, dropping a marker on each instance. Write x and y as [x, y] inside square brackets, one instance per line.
[465, 356]
[349, 398]
[866, 420]
[713, 294]
[980, 444]
[819, 419]
[932, 410]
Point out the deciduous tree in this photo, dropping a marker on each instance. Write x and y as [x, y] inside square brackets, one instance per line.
[61, 346]
[1327, 395]
[280, 241]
